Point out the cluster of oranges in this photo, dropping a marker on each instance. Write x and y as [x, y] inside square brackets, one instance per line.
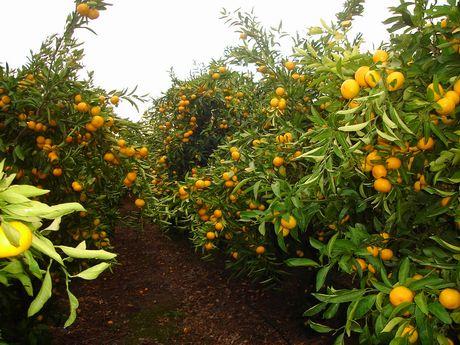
[85, 10]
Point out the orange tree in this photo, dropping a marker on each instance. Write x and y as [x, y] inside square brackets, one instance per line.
[60, 133]
[353, 169]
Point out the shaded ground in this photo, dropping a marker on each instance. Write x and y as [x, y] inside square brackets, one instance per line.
[163, 293]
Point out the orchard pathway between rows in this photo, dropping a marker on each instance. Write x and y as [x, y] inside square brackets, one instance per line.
[163, 293]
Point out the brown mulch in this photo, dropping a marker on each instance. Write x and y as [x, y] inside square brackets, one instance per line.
[161, 292]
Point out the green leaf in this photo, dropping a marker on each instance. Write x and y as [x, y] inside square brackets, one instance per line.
[438, 310]
[353, 128]
[87, 254]
[319, 327]
[44, 245]
[315, 309]
[93, 272]
[340, 296]
[445, 244]
[392, 324]
[43, 295]
[321, 276]
[404, 268]
[73, 304]
[27, 191]
[303, 262]
[421, 302]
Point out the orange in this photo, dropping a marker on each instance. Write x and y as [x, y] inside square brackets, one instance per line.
[411, 334]
[121, 142]
[236, 155]
[97, 121]
[93, 13]
[386, 254]
[401, 294]
[260, 250]
[24, 241]
[457, 87]
[278, 161]
[445, 201]
[382, 185]
[349, 89]
[82, 107]
[446, 106]
[131, 176]
[289, 224]
[360, 74]
[380, 56]
[395, 81]
[433, 93]
[373, 250]
[210, 235]
[417, 276]
[379, 171]
[215, 76]
[57, 172]
[450, 298]
[453, 96]
[143, 151]
[218, 226]
[208, 246]
[139, 203]
[279, 91]
[282, 104]
[372, 78]
[217, 213]
[372, 158]
[83, 9]
[425, 145]
[393, 163]
[274, 102]
[361, 263]
[76, 186]
[95, 111]
[114, 100]
[290, 65]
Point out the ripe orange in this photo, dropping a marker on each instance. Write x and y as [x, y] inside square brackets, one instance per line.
[445, 201]
[289, 224]
[360, 74]
[380, 56]
[282, 104]
[114, 100]
[57, 172]
[121, 143]
[217, 213]
[361, 263]
[457, 87]
[372, 158]
[139, 203]
[386, 254]
[97, 121]
[215, 76]
[450, 298]
[433, 93]
[278, 161]
[372, 78]
[210, 235]
[382, 185]
[290, 65]
[373, 250]
[425, 145]
[236, 155]
[447, 106]
[260, 250]
[83, 9]
[393, 163]
[76, 186]
[93, 13]
[395, 81]
[411, 334]
[95, 111]
[82, 107]
[131, 176]
[274, 102]
[218, 226]
[379, 171]
[349, 89]
[280, 91]
[401, 294]
[453, 96]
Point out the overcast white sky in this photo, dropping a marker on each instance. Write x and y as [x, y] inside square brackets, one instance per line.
[139, 40]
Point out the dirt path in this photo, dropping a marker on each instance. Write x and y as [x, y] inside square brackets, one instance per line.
[163, 293]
